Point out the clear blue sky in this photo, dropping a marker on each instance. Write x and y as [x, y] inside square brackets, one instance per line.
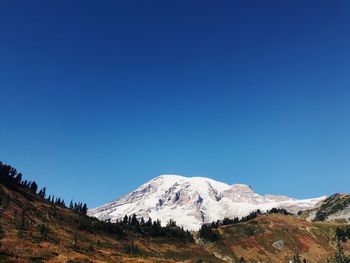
[98, 97]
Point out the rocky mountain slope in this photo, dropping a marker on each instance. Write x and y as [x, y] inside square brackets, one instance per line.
[334, 208]
[195, 200]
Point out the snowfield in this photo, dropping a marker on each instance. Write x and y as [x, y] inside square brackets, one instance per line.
[192, 201]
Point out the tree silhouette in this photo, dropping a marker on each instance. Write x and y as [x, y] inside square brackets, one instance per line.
[33, 187]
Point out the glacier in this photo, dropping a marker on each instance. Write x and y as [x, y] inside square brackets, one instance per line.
[192, 201]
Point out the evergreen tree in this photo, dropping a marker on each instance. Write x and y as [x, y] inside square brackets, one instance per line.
[42, 192]
[149, 222]
[33, 187]
[19, 178]
[134, 221]
[207, 233]
[296, 259]
[125, 220]
[171, 223]
[84, 209]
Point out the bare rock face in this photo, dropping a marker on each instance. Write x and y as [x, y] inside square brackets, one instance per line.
[192, 201]
[334, 208]
[278, 244]
[243, 193]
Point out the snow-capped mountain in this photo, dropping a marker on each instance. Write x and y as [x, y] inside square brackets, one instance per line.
[191, 201]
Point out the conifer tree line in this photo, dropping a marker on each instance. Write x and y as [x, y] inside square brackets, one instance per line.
[252, 215]
[138, 226]
[79, 208]
[343, 234]
[152, 228]
[12, 179]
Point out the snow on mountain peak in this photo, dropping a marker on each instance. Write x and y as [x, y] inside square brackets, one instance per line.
[200, 181]
[191, 201]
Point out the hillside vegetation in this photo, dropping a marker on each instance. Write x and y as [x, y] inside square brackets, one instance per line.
[275, 238]
[35, 229]
[39, 228]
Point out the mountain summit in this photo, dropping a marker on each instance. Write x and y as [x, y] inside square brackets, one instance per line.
[192, 201]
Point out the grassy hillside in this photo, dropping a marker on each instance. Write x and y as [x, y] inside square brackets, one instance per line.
[275, 238]
[33, 229]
